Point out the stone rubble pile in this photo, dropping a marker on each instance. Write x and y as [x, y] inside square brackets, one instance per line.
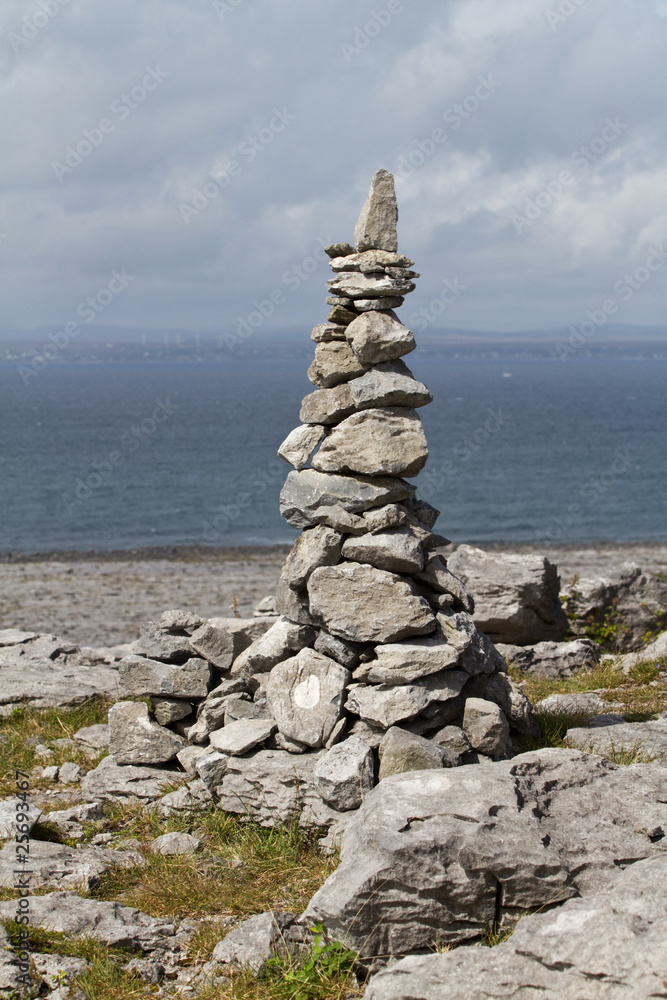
[374, 665]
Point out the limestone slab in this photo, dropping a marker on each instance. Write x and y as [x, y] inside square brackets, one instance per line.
[384, 441]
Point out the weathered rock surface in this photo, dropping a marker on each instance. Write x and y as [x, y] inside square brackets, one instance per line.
[635, 601]
[376, 337]
[386, 303]
[96, 737]
[387, 441]
[282, 640]
[516, 596]
[256, 940]
[211, 713]
[318, 546]
[651, 652]
[144, 677]
[486, 727]
[370, 260]
[437, 576]
[611, 945]
[241, 736]
[649, 739]
[586, 703]
[60, 867]
[214, 644]
[363, 604]
[345, 774]
[325, 406]
[552, 659]
[401, 751]
[407, 661]
[385, 705]
[168, 710]
[390, 383]
[109, 780]
[120, 926]
[502, 690]
[300, 443]
[163, 644]
[398, 550]
[334, 362]
[305, 696]
[44, 683]
[374, 285]
[12, 807]
[135, 739]
[346, 653]
[465, 847]
[175, 843]
[309, 490]
[323, 333]
[376, 225]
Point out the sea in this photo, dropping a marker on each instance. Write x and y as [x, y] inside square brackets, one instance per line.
[126, 455]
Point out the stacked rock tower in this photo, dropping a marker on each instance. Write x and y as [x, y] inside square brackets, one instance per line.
[374, 665]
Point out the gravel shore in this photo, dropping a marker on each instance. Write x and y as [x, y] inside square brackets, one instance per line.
[101, 598]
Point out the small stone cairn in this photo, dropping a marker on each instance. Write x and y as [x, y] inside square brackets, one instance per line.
[374, 665]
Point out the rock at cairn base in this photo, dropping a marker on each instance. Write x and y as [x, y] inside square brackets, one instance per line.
[374, 666]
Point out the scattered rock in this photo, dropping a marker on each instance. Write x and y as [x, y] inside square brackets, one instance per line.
[552, 659]
[647, 739]
[211, 768]
[516, 596]
[135, 739]
[96, 737]
[651, 652]
[587, 703]
[109, 780]
[211, 713]
[61, 867]
[345, 774]
[500, 840]
[14, 810]
[175, 843]
[69, 773]
[609, 945]
[255, 941]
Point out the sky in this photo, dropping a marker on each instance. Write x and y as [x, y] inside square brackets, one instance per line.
[181, 163]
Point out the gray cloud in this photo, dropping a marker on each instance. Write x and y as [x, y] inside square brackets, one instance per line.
[325, 93]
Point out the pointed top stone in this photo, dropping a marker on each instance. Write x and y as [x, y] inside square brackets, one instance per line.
[376, 226]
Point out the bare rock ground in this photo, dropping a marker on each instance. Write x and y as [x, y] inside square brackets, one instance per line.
[101, 599]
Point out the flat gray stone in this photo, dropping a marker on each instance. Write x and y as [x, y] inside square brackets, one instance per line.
[486, 727]
[308, 491]
[385, 304]
[56, 866]
[407, 661]
[255, 941]
[390, 383]
[175, 843]
[144, 677]
[376, 226]
[401, 751]
[376, 442]
[168, 710]
[649, 739]
[324, 333]
[305, 696]
[385, 705]
[334, 362]
[213, 644]
[345, 653]
[211, 713]
[552, 659]
[466, 847]
[177, 619]
[363, 604]
[211, 768]
[160, 643]
[326, 406]
[374, 258]
[318, 546]
[15, 636]
[611, 945]
[45, 684]
[135, 739]
[243, 735]
[378, 336]
[119, 926]
[516, 596]
[282, 640]
[453, 738]
[96, 737]
[396, 549]
[109, 780]
[345, 774]
[585, 703]
[392, 515]
[300, 443]
[651, 652]
[374, 285]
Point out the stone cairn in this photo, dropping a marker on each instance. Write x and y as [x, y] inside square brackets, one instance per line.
[374, 665]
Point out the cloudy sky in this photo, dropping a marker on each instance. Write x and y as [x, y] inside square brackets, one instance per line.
[204, 149]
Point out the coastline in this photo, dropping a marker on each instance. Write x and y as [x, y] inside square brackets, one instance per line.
[101, 598]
